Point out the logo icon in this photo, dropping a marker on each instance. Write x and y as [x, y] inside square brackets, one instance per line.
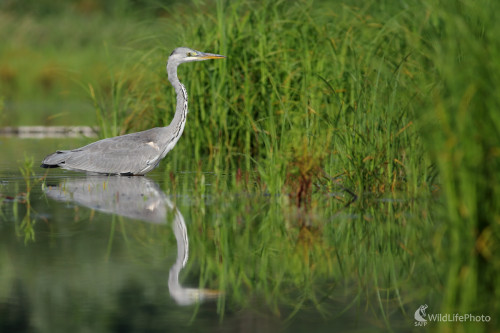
[420, 313]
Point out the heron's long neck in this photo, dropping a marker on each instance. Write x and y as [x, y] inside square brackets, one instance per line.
[181, 236]
[181, 109]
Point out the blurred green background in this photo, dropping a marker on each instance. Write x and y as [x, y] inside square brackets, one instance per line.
[52, 50]
[393, 100]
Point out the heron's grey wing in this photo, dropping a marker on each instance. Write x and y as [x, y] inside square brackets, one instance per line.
[134, 153]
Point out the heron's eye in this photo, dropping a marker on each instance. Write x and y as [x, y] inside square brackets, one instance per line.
[190, 54]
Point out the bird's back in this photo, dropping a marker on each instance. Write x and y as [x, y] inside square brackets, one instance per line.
[134, 154]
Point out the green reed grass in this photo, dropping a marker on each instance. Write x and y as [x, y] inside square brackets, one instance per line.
[26, 227]
[375, 95]
[301, 80]
[463, 135]
[379, 97]
[372, 94]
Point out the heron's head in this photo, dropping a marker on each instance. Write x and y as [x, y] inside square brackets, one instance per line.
[184, 54]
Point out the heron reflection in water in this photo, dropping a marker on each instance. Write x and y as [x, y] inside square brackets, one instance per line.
[137, 198]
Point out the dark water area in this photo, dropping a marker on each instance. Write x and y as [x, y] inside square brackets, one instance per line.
[166, 253]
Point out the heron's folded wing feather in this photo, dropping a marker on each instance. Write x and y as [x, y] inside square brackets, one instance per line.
[125, 154]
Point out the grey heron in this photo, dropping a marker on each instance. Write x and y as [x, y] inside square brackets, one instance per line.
[135, 153]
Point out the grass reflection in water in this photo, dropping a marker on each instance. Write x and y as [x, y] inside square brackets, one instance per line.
[250, 252]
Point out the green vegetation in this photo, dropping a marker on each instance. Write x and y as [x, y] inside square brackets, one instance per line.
[303, 83]
[461, 127]
[50, 50]
[26, 227]
[382, 98]
[390, 100]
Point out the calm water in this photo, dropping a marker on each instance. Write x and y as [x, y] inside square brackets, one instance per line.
[167, 253]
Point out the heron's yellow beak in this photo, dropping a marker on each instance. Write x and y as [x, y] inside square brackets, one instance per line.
[210, 56]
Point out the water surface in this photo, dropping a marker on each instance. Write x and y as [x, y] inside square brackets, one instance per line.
[174, 252]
